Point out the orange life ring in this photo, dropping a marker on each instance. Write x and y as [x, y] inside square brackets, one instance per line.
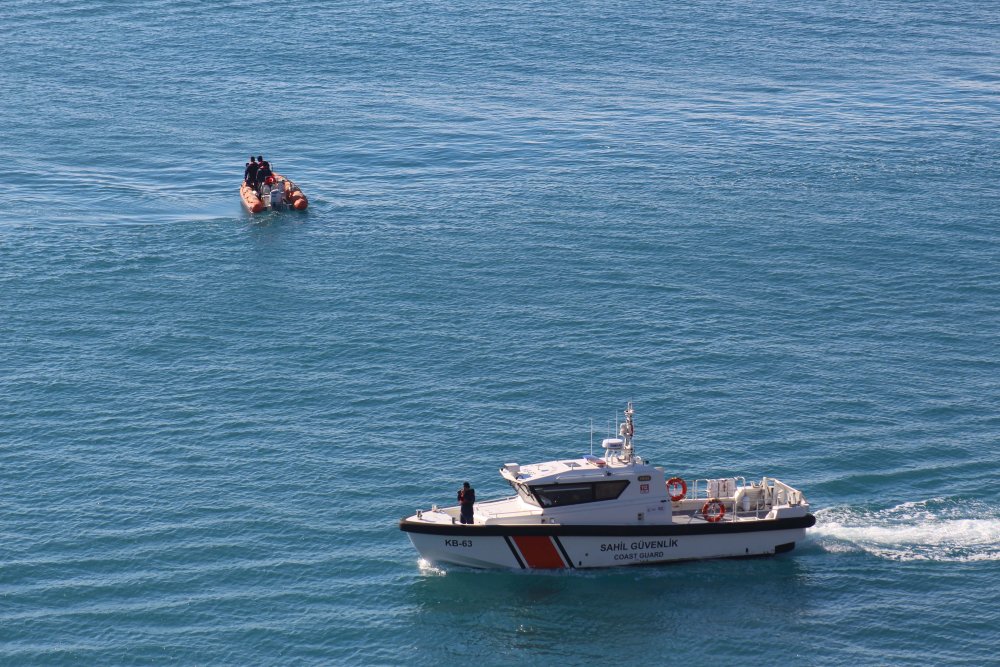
[713, 510]
[674, 481]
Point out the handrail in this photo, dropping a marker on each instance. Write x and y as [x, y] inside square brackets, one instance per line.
[502, 515]
[770, 493]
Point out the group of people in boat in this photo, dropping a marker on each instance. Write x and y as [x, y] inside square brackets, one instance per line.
[263, 188]
[257, 173]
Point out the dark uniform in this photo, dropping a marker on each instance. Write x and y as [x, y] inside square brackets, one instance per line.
[263, 171]
[466, 498]
[250, 173]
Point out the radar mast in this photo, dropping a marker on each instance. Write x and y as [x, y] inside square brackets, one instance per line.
[626, 431]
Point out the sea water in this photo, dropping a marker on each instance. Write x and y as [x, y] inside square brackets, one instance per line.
[773, 226]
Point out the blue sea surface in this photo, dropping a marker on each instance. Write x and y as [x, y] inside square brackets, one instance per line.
[773, 226]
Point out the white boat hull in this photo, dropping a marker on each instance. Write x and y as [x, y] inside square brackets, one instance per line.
[555, 547]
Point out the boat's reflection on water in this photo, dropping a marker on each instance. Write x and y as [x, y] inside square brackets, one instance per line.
[530, 611]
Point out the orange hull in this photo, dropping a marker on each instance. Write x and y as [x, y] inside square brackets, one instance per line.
[293, 194]
[250, 199]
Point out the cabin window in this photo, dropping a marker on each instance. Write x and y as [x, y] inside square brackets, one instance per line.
[609, 490]
[523, 491]
[557, 495]
[554, 495]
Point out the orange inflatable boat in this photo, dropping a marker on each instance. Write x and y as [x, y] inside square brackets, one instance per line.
[280, 195]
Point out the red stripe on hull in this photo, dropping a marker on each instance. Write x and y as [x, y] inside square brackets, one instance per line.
[539, 552]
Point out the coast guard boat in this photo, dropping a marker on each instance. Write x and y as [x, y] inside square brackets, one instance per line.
[613, 510]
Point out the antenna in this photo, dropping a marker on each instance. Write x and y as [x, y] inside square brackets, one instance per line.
[591, 436]
[626, 431]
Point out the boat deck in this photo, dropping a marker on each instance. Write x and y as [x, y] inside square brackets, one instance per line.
[511, 511]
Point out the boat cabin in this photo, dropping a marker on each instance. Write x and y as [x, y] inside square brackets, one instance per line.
[584, 490]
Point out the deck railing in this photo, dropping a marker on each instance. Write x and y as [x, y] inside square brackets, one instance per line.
[755, 500]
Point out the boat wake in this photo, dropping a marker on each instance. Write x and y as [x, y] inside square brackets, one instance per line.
[429, 568]
[937, 529]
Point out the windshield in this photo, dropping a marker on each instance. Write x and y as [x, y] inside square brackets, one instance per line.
[523, 491]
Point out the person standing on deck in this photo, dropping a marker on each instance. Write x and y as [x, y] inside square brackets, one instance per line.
[263, 171]
[466, 498]
[250, 173]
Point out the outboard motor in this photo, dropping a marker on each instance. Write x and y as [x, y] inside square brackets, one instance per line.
[277, 196]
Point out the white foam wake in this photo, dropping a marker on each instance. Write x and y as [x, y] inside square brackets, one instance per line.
[428, 568]
[935, 530]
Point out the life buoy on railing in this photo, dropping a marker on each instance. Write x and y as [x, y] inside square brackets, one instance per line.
[713, 510]
[674, 482]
